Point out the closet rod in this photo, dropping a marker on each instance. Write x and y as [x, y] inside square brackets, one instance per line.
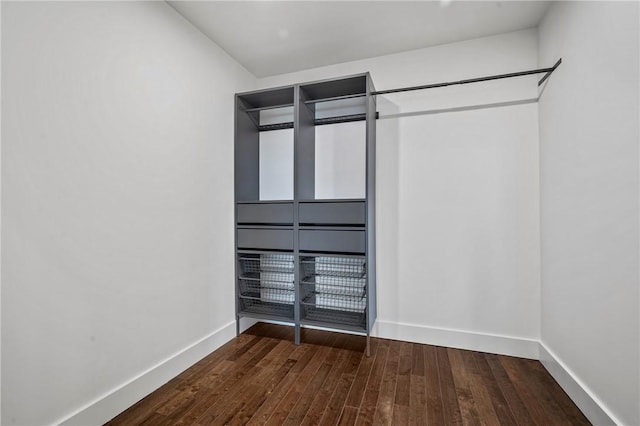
[269, 107]
[547, 72]
[317, 122]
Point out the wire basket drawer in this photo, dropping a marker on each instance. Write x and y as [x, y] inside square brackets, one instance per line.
[261, 263]
[340, 266]
[266, 284]
[257, 306]
[344, 311]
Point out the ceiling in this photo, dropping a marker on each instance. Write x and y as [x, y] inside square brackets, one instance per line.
[277, 37]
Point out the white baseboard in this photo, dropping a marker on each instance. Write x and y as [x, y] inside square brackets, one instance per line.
[112, 403]
[590, 406]
[482, 342]
[107, 406]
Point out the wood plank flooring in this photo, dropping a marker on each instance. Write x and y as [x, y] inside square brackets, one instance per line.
[262, 378]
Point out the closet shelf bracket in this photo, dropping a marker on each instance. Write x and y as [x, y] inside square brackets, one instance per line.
[552, 69]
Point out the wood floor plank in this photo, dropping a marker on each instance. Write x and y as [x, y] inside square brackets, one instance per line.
[372, 390]
[283, 409]
[534, 407]
[433, 392]
[336, 403]
[516, 406]
[337, 398]
[404, 375]
[450, 406]
[494, 394]
[186, 392]
[461, 380]
[152, 420]
[555, 393]
[228, 388]
[299, 412]
[387, 395]
[203, 367]
[258, 389]
[258, 394]
[348, 416]
[262, 377]
[209, 399]
[319, 404]
[418, 400]
[417, 360]
[354, 398]
[235, 393]
[262, 415]
[400, 415]
[481, 397]
[543, 393]
[146, 407]
[403, 386]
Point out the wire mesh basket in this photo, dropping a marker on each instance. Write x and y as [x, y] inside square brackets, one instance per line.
[336, 286]
[270, 289]
[336, 302]
[272, 263]
[334, 275]
[345, 267]
[265, 284]
[349, 311]
[261, 307]
[333, 290]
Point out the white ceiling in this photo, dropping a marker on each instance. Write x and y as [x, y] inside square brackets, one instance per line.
[276, 37]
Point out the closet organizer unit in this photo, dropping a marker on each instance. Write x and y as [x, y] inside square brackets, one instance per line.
[304, 260]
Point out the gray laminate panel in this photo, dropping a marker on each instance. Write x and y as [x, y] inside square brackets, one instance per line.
[268, 239]
[267, 213]
[332, 241]
[335, 213]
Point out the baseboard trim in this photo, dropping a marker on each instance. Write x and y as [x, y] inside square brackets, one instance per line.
[482, 342]
[107, 406]
[586, 401]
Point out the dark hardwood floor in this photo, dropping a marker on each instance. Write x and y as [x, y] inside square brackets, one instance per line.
[261, 377]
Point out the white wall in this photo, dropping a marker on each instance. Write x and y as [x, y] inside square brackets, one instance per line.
[458, 212]
[589, 202]
[117, 157]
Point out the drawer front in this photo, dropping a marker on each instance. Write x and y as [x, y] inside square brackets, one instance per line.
[332, 241]
[346, 213]
[267, 239]
[268, 213]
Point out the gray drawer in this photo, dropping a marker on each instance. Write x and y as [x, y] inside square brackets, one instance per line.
[332, 241]
[268, 239]
[346, 213]
[268, 213]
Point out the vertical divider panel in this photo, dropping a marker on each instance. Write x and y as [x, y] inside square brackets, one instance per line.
[371, 204]
[246, 154]
[304, 178]
[305, 148]
[246, 175]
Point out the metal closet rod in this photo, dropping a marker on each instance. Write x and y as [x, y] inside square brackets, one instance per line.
[546, 71]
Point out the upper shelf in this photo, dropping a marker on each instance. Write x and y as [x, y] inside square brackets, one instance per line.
[329, 101]
[332, 89]
[267, 99]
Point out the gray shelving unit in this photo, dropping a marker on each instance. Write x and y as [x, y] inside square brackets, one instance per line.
[305, 261]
